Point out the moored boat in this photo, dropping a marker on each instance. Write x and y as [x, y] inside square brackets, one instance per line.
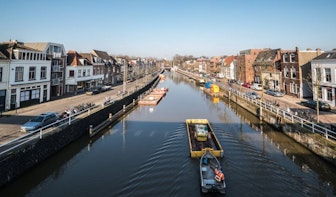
[212, 177]
[202, 138]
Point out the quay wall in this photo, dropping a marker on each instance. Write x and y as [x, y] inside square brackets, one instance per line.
[314, 142]
[15, 163]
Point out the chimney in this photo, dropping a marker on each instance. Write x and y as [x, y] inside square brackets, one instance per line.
[318, 51]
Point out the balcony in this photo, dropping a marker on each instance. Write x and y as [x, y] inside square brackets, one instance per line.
[57, 68]
[57, 55]
[55, 82]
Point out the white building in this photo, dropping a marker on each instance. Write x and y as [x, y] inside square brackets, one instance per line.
[79, 73]
[25, 76]
[324, 77]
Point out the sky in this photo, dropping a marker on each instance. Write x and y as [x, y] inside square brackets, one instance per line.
[164, 28]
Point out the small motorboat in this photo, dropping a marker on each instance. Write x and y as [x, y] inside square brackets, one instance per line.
[212, 177]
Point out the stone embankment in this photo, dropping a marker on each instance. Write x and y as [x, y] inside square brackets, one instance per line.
[275, 116]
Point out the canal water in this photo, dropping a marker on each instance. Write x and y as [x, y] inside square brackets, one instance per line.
[146, 154]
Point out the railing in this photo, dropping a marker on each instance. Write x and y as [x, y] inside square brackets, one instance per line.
[289, 116]
[11, 146]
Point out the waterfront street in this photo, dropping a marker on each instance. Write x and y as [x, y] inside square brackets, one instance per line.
[12, 120]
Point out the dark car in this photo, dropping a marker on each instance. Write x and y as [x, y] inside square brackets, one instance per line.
[323, 106]
[40, 121]
[94, 90]
[274, 93]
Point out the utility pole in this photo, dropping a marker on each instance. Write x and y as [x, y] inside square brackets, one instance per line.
[125, 75]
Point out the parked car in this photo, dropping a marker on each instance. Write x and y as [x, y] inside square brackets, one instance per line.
[247, 85]
[94, 90]
[40, 121]
[323, 106]
[274, 93]
[256, 86]
[239, 82]
[252, 95]
[232, 81]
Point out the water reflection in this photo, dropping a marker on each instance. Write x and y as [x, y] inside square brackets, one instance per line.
[146, 154]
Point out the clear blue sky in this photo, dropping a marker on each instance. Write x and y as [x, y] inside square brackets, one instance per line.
[163, 28]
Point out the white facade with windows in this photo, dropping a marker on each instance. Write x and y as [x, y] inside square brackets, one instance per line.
[29, 79]
[77, 78]
[324, 78]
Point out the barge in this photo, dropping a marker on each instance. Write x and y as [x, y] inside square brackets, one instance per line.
[202, 138]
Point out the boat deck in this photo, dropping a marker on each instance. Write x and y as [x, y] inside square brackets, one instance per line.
[198, 148]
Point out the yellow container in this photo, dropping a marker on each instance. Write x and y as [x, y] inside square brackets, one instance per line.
[214, 88]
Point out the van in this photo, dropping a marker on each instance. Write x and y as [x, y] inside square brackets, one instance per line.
[256, 86]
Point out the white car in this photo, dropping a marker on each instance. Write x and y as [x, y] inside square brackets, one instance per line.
[256, 86]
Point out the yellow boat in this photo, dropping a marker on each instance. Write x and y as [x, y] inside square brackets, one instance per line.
[202, 138]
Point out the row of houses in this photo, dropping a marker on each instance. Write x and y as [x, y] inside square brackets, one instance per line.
[31, 73]
[299, 73]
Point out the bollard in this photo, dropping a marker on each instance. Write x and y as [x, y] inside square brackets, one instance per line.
[91, 130]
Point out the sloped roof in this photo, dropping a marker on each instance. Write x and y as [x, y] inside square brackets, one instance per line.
[74, 59]
[267, 56]
[102, 54]
[6, 49]
[326, 55]
[41, 46]
[229, 60]
[87, 56]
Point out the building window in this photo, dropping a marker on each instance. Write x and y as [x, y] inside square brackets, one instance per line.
[18, 74]
[293, 71]
[43, 72]
[292, 57]
[318, 74]
[84, 73]
[286, 71]
[79, 73]
[24, 96]
[329, 94]
[328, 74]
[32, 75]
[71, 73]
[285, 58]
[0, 74]
[88, 72]
[35, 94]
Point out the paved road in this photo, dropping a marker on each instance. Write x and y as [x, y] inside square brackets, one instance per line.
[292, 103]
[11, 121]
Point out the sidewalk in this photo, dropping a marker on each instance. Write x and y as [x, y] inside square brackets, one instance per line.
[11, 121]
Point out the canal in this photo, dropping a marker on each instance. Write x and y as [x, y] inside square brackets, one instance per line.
[146, 154]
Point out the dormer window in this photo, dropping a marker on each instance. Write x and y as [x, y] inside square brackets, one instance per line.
[292, 57]
[285, 57]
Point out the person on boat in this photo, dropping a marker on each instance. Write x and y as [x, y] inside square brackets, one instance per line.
[219, 175]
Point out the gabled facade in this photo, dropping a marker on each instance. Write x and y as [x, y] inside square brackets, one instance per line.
[78, 75]
[110, 71]
[98, 69]
[229, 69]
[56, 53]
[267, 68]
[244, 70]
[295, 68]
[25, 76]
[324, 77]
